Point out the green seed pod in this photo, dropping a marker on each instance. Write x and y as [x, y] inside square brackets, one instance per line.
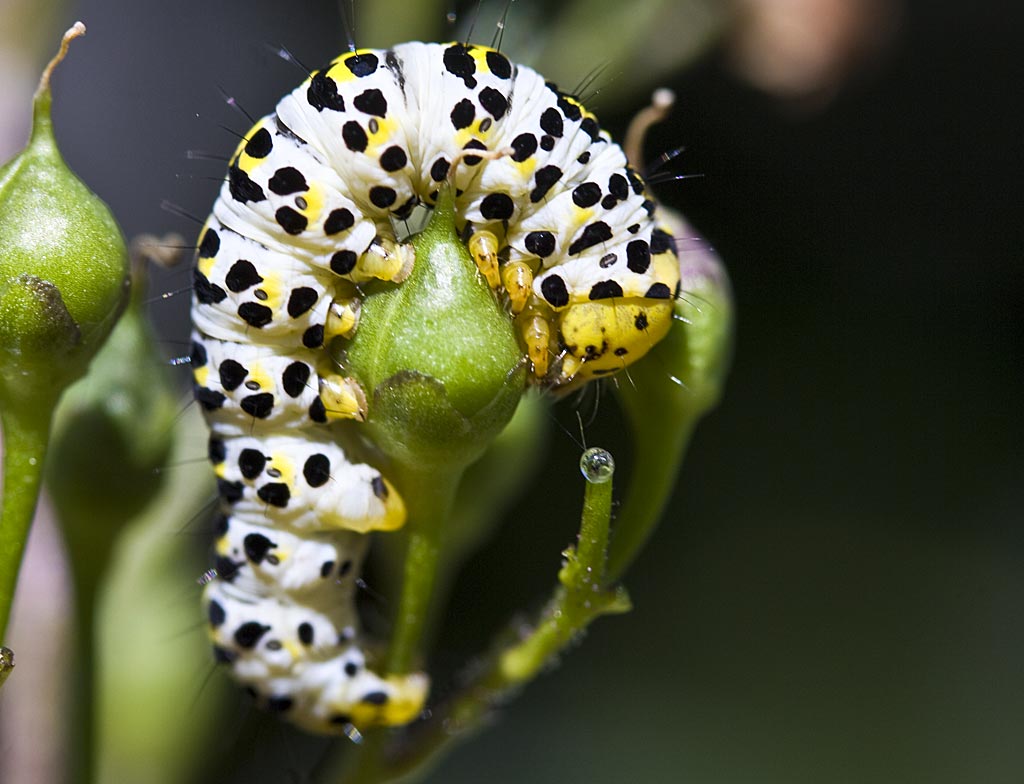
[63, 265]
[63, 284]
[698, 352]
[437, 356]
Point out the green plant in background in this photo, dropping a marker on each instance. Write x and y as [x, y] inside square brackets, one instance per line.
[126, 410]
[118, 428]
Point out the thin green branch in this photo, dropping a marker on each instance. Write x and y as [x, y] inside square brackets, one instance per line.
[582, 596]
[26, 431]
[435, 495]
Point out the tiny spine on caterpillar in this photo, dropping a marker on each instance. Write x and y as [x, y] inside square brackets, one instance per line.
[560, 227]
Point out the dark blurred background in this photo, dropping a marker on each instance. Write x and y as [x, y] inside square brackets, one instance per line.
[836, 593]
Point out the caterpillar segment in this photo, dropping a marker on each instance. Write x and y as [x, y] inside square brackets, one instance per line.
[558, 224]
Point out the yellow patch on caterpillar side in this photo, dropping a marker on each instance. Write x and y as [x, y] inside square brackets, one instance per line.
[206, 265]
[379, 139]
[201, 375]
[240, 158]
[274, 286]
[404, 705]
[283, 464]
[259, 375]
[527, 167]
[314, 199]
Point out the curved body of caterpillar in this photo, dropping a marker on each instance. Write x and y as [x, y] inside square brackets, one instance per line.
[558, 224]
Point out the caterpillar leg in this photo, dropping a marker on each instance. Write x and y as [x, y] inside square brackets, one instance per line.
[517, 277]
[385, 259]
[483, 247]
[535, 332]
[342, 397]
[343, 317]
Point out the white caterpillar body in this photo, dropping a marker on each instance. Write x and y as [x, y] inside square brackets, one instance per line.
[306, 214]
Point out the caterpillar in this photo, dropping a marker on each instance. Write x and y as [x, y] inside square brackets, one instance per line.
[560, 227]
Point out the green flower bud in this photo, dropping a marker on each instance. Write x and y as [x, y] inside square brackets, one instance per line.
[696, 354]
[437, 356]
[63, 284]
[63, 264]
[155, 720]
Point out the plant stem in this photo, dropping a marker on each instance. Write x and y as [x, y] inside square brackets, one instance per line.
[87, 575]
[582, 597]
[84, 709]
[434, 492]
[26, 432]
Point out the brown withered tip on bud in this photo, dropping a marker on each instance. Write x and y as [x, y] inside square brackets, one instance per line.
[77, 30]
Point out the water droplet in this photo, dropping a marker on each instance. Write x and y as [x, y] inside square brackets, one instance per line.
[597, 465]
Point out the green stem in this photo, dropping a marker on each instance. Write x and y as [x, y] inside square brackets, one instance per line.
[592, 547]
[583, 596]
[84, 709]
[434, 492]
[87, 574]
[26, 432]
[369, 764]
